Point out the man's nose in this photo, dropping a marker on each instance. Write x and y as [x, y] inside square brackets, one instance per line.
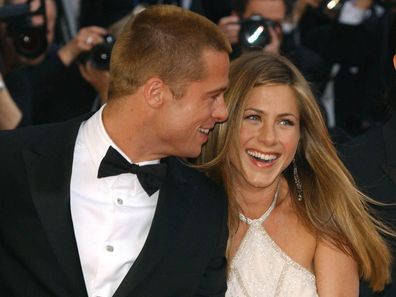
[220, 112]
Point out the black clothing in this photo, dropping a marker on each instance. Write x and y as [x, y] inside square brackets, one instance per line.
[105, 12]
[371, 158]
[359, 50]
[59, 92]
[20, 89]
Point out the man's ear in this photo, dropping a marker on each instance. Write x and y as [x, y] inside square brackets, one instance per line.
[154, 92]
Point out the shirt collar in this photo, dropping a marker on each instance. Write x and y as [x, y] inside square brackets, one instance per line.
[98, 141]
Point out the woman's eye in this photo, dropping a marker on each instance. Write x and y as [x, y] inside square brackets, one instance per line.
[286, 122]
[252, 117]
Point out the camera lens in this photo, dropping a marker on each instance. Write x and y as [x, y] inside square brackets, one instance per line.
[100, 54]
[30, 42]
[254, 33]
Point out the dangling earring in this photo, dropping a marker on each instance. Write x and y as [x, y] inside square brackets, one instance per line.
[297, 181]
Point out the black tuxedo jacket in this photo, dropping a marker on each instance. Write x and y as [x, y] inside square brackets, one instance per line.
[182, 256]
[371, 158]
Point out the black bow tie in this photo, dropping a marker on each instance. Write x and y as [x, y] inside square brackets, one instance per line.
[149, 176]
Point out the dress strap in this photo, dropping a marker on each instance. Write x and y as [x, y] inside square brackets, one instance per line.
[265, 215]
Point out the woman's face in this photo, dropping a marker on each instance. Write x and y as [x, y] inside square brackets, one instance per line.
[269, 135]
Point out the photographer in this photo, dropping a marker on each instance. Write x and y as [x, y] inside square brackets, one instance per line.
[94, 68]
[278, 41]
[243, 9]
[59, 90]
[71, 92]
[85, 39]
[16, 94]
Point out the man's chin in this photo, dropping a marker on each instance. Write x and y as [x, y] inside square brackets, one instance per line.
[192, 154]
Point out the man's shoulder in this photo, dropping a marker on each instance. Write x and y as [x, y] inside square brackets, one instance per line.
[23, 137]
[185, 172]
[370, 142]
[40, 135]
[364, 156]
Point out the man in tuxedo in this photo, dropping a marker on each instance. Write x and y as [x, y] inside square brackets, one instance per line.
[99, 205]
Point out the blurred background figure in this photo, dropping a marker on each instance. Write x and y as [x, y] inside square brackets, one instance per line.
[371, 158]
[59, 89]
[46, 68]
[261, 25]
[106, 12]
[10, 114]
[339, 45]
[352, 38]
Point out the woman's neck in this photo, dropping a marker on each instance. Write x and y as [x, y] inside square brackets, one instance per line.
[253, 202]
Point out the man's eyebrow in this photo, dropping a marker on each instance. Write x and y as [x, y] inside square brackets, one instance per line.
[219, 90]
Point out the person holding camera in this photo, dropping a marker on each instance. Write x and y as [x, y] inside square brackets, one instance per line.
[274, 11]
[84, 40]
[258, 25]
[13, 18]
[60, 88]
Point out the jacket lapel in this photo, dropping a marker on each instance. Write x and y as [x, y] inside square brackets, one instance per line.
[389, 132]
[173, 209]
[49, 173]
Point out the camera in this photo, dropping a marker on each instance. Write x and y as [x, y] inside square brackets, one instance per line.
[100, 54]
[254, 33]
[29, 40]
[331, 8]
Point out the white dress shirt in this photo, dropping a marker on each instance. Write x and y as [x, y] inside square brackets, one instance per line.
[111, 216]
[353, 15]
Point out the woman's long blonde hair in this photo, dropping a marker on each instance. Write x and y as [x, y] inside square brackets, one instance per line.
[332, 206]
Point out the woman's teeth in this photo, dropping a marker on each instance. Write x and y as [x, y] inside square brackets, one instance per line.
[261, 156]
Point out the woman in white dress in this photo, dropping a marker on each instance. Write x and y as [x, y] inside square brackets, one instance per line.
[298, 225]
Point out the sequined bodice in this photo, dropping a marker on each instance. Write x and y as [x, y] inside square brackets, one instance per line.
[261, 269]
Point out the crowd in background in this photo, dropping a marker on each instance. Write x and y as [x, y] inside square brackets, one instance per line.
[342, 48]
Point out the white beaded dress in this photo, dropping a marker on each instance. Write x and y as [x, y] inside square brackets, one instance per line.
[261, 269]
